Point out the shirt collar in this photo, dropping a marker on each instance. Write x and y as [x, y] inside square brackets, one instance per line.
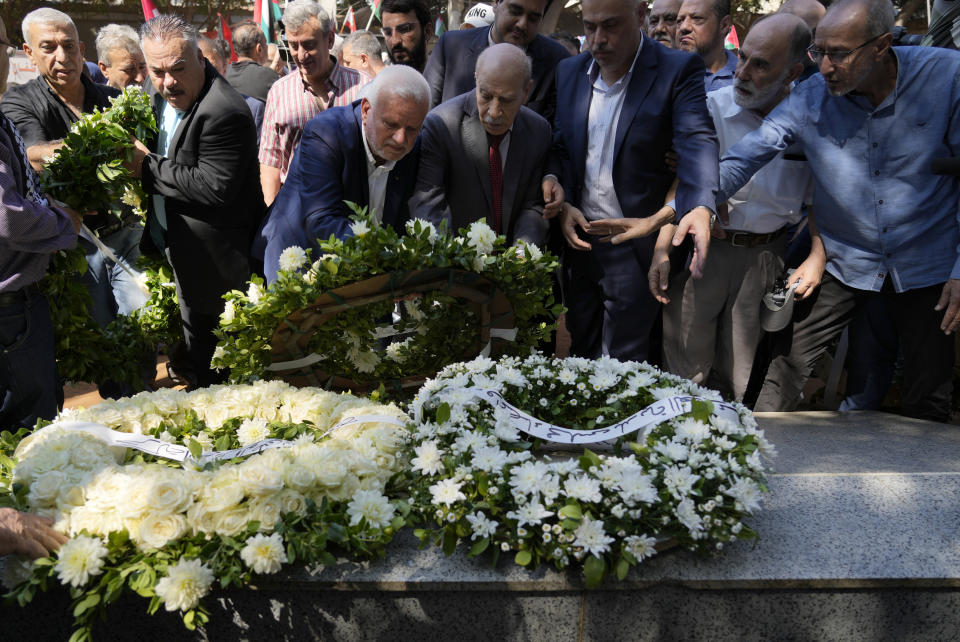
[490, 41]
[371, 161]
[333, 80]
[727, 70]
[593, 71]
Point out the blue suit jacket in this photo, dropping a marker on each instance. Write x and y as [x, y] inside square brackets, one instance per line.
[453, 61]
[665, 105]
[329, 168]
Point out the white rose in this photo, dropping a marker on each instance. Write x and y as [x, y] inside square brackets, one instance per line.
[157, 529]
[223, 491]
[290, 501]
[231, 522]
[259, 479]
[169, 494]
[265, 510]
[330, 468]
[299, 477]
[91, 455]
[45, 488]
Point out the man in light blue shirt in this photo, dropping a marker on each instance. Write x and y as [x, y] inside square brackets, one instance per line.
[870, 126]
[702, 27]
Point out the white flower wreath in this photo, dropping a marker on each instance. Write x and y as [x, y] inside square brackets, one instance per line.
[689, 472]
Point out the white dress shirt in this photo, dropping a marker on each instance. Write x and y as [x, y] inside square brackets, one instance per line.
[599, 199]
[169, 121]
[377, 176]
[775, 194]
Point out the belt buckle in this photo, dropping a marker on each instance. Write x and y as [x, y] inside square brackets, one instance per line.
[733, 239]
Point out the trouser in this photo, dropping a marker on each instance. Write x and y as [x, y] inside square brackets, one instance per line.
[200, 342]
[29, 385]
[928, 353]
[610, 310]
[112, 289]
[711, 327]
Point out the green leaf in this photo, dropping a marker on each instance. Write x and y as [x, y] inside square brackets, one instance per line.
[523, 558]
[623, 567]
[593, 571]
[196, 450]
[443, 413]
[87, 603]
[588, 459]
[701, 409]
[571, 511]
[449, 542]
[479, 547]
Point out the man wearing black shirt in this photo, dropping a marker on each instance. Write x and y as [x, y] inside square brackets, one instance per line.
[43, 110]
[250, 75]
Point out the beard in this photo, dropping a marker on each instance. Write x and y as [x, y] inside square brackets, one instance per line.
[416, 58]
[758, 99]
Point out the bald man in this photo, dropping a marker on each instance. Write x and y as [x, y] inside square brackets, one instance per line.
[483, 153]
[811, 12]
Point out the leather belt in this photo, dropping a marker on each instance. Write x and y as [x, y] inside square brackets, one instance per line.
[749, 239]
[18, 296]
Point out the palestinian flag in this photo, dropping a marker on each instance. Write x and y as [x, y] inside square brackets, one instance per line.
[149, 11]
[266, 13]
[439, 28]
[732, 42]
[376, 8]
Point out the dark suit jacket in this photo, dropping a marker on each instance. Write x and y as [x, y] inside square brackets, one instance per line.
[665, 105]
[453, 61]
[211, 180]
[453, 184]
[329, 168]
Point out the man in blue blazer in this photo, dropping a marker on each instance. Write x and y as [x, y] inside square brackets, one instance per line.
[362, 154]
[620, 107]
[454, 58]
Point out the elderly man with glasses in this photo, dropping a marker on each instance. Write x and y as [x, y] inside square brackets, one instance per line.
[871, 128]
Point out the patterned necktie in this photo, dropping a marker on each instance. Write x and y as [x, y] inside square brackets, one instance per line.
[33, 181]
[496, 179]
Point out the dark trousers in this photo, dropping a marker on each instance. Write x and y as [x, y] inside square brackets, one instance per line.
[200, 343]
[29, 384]
[610, 310]
[928, 353]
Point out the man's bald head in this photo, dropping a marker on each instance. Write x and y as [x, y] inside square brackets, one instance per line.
[810, 11]
[872, 18]
[504, 78]
[771, 58]
[784, 31]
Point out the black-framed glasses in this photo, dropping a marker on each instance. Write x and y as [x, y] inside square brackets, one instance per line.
[403, 29]
[836, 57]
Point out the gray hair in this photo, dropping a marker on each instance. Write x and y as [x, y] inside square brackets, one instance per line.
[114, 36]
[399, 81]
[246, 37]
[45, 16]
[514, 57]
[364, 42]
[299, 13]
[165, 27]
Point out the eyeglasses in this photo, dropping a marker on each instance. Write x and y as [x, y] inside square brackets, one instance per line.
[836, 57]
[405, 28]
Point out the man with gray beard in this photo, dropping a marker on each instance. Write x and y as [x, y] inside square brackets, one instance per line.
[712, 325]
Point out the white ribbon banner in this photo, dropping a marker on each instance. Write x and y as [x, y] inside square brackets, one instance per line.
[159, 448]
[658, 412]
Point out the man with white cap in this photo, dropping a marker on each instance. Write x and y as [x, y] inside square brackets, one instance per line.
[480, 15]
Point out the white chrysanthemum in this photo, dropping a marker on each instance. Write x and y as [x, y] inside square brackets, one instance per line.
[365, 361]
[427, 226]
[567, 376]
[603, 379]
[489, 459]
[641, 546]
[679, 480]
[691, 430]
[292, 258]
[255, 293]
[527, 477]
[429, 459]
[359, 228]
[186, 582]
[687, 514]
[591, 537]
[531, 250]
[481, 237]
[531, 513]
[482, 525]
[79, 559]
[583, 488]
[229, 312]
[468, 440]
[447, 492]
[746, 492]
[252, 430]
[637, 487]
[264, 554]
[372, 505]
[673, 450]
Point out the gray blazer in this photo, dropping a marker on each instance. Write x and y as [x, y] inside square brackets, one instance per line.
[453, 183]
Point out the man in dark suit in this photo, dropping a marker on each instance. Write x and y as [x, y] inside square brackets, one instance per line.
[453, 60]
[202, 172]
[620, 107]
[360, 153]
[482, 154]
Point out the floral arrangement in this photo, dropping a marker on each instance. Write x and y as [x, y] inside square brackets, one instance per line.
[690, 479]
[168, 530]
[435, 328]
[87, 173]
[87, 352]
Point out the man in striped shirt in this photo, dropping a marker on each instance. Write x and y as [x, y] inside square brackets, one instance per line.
[297, 97]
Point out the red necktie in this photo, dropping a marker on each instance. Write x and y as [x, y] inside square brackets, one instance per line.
[496, 179]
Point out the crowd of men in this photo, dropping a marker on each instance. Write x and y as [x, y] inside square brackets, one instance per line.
[677, 179]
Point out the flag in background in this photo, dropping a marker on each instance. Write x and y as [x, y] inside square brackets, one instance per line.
[266, 13]
[227, 35]
[149, 11]
[350, 20]
[376, 8]
[440, 27]
[732, 42]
